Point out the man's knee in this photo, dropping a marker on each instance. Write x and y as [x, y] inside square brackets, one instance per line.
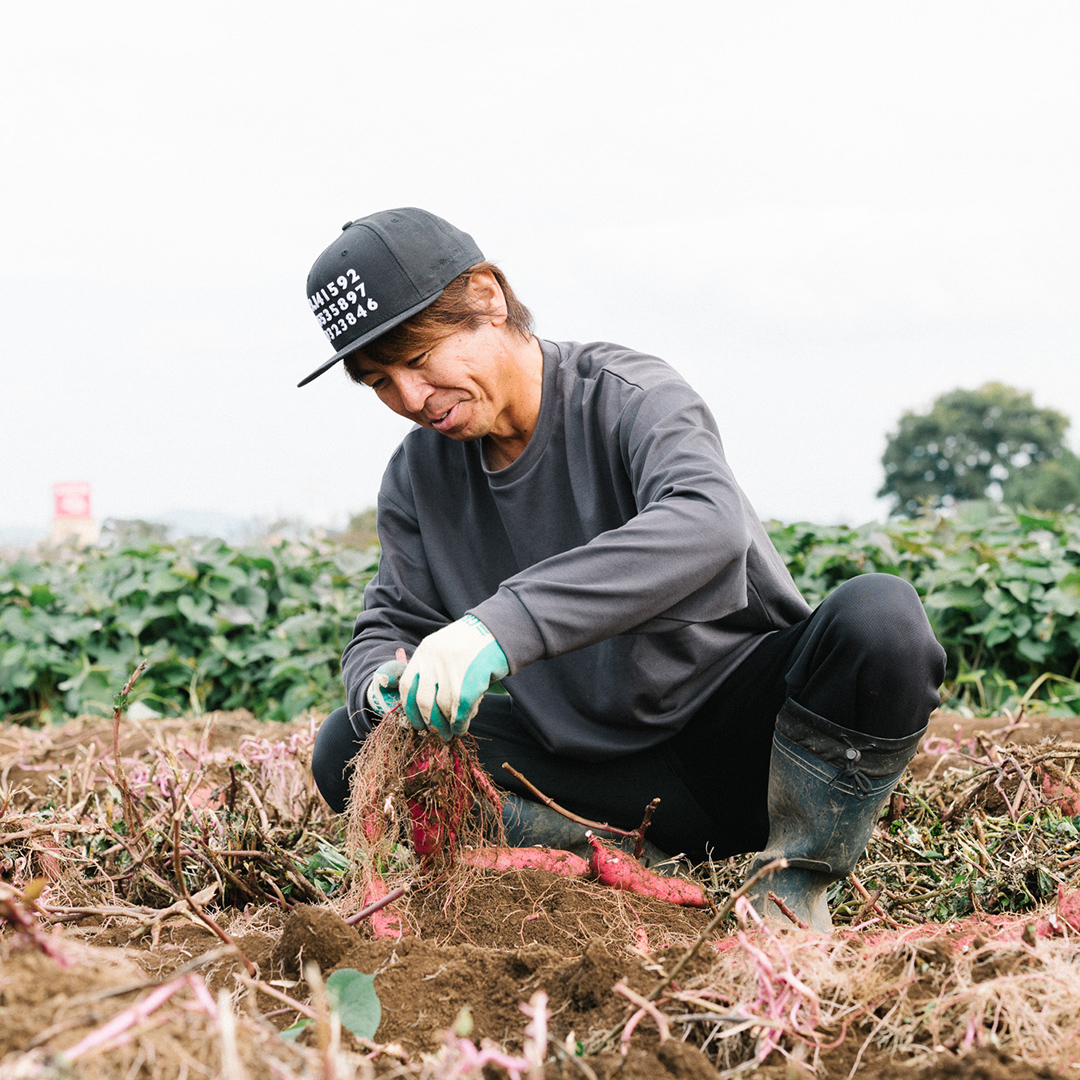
[335, 746]
[881, 616]
[871, 661]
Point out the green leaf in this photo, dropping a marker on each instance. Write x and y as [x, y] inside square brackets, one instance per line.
[1033, 650]
[960, 597]
[127, 585]
[353, 995]
[42, 596]
[163, 580]
[196, 612]
[1029, 522]
[1020, 589]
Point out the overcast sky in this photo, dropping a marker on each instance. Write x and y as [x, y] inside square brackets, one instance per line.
[821, 213]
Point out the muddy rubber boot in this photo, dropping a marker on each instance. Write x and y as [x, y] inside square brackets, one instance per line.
[531, 824]
[827, 785]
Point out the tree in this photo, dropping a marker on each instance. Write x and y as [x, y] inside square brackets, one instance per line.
[1049, 485]
[361, 531]
[974, 444]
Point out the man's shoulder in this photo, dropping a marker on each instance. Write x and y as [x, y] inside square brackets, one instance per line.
[606, 362]
[613, 388]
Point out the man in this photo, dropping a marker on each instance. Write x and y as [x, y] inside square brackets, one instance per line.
[563, 520]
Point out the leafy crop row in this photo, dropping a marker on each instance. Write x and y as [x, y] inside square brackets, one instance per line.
[264, 630]
[1002, 590]
[221, 628]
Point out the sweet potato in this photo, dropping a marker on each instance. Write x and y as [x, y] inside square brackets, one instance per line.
[385, 924]
[428, 832]
[622, 871]
[530, 858]
[438, 799]
[1061, 795]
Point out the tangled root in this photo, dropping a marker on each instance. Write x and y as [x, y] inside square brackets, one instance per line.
[415, 803]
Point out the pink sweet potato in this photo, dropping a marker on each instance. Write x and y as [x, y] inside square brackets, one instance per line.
[1061, 795]
[438, 799]
[428, 833]
[530, 858]
[622, 871]
[385, 924]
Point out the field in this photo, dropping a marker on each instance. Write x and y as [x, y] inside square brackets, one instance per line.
[169, 894]
[176, 900]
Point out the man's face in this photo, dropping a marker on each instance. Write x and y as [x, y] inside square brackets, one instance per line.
[460, 387]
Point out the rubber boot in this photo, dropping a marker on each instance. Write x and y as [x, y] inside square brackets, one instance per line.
[531, 824]
[827, 785]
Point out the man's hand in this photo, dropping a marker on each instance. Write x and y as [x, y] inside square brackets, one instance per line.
[382, 692]
[448, 674]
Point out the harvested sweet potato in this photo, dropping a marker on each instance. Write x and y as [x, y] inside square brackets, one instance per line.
[385, 924]
[622, 871]
[531, 858]
[438, 796]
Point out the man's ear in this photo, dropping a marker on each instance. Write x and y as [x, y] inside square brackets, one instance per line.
[485, 295]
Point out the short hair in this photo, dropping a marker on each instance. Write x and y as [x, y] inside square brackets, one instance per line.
[450, 313]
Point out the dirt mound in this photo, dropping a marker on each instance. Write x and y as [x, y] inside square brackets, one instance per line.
[424, 986]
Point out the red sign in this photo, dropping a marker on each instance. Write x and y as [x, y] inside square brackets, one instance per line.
[71, 499]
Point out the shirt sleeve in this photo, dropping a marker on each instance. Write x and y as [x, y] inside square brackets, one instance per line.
[681, 558]
[400, 607]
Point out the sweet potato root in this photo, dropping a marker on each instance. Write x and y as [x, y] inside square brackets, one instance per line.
[438, 797]
[619, 870]
[532, 858]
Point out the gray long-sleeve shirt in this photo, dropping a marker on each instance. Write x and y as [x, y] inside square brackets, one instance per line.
[616, 561]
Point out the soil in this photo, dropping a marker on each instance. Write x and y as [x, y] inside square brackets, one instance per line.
[1026, 731]
[472, 958]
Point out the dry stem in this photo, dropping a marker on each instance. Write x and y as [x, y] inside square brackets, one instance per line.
[638, 834]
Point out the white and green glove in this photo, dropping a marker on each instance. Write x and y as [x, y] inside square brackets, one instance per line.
[382, 692]
[449, 673]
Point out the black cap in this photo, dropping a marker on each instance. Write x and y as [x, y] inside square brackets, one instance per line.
[379, 271]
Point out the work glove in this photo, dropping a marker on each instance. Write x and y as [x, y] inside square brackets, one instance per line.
[382, 692]
[448, 675]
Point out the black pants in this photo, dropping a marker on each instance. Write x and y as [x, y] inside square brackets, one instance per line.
[866, 659]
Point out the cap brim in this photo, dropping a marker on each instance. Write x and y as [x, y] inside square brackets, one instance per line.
[367, 338]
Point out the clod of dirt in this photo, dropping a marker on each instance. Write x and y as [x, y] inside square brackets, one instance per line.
[684, 1061]
[598, 972]
[673, 1058]
[984, 1064]
[312, 934]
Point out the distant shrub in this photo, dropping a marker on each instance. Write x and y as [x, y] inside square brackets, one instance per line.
[221, 627]
[263, 629]
[1001, 588]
